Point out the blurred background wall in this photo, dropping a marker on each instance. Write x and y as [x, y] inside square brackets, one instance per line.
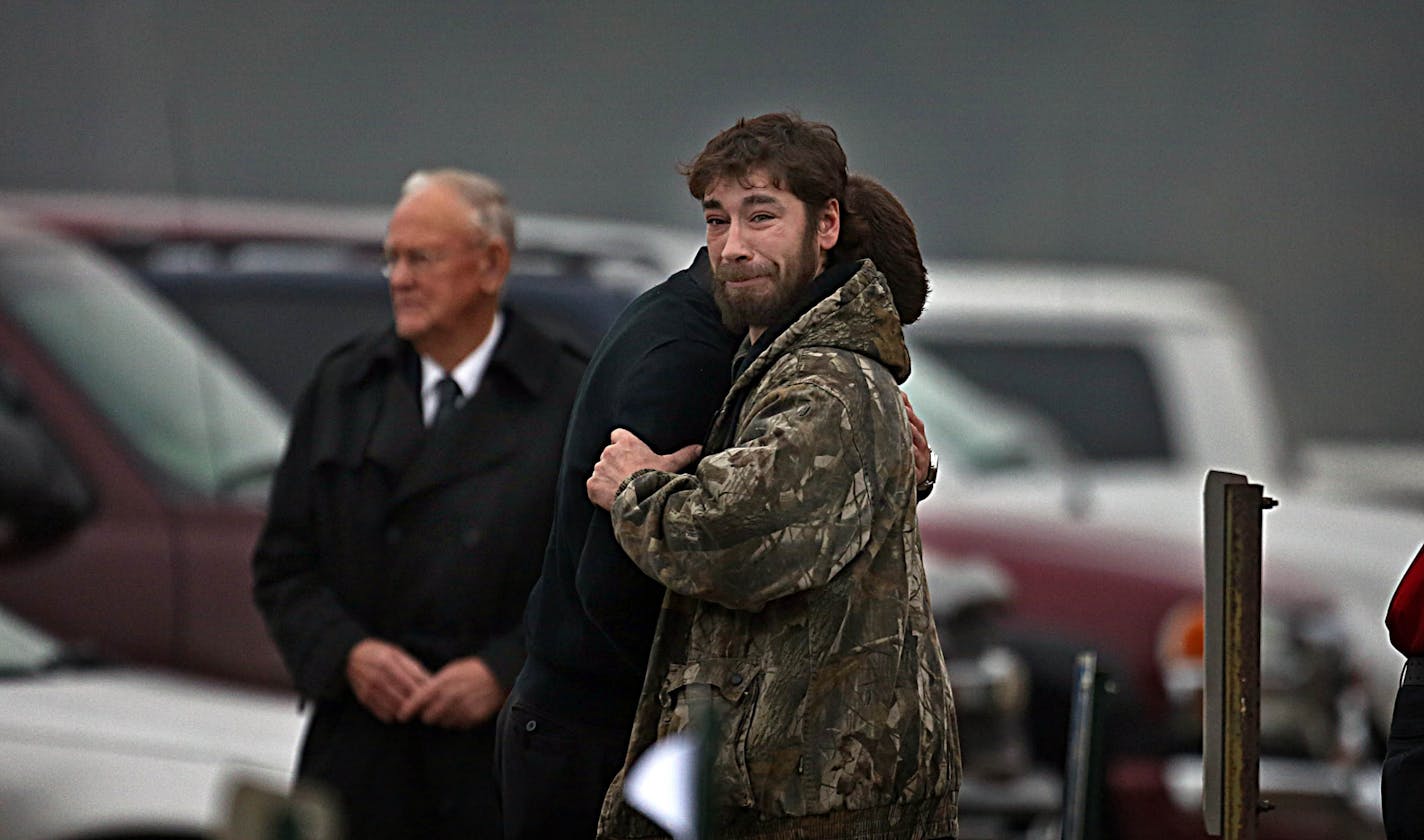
[1278, 147]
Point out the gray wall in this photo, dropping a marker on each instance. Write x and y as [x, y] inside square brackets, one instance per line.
[1276, 147]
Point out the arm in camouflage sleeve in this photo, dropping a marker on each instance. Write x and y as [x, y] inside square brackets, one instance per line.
[780, 512]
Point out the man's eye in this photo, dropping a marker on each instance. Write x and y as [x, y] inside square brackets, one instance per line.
[762, 217]
[716, 222]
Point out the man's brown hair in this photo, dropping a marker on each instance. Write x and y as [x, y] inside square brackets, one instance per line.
[806, 159]
[803, 157]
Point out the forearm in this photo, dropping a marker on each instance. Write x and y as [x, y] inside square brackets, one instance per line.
[742, 531]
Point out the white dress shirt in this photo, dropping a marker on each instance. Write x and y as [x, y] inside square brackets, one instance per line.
[467, 374]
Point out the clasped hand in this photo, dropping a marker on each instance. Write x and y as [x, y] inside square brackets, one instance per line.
[626, 454]
[396, 688]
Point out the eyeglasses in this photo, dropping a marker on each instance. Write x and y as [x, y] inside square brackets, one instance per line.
[419, 259]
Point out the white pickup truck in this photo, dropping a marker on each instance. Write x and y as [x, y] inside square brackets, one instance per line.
[1150, 380]
[1136, 369]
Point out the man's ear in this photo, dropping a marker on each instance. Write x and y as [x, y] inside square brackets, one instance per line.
[495, 266]
[828, 225]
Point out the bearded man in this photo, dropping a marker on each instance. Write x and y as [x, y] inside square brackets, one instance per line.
[796, 605]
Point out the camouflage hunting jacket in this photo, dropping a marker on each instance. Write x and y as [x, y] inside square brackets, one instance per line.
[796, 604]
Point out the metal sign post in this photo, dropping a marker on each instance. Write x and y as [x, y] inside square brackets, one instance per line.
[1083, 779]
[1231, 722]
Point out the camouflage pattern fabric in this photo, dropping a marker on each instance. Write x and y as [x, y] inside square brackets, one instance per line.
[796, 598]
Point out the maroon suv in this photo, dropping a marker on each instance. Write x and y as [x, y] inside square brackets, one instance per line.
[170, 446]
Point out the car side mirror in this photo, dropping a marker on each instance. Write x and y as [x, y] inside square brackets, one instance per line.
[43, 497]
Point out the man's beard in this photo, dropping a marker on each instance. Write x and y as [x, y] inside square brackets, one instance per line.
[765, 307]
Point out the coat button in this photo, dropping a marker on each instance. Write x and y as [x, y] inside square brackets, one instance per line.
[736, 679]
[531, 726]
[393, 535]
[470, 537]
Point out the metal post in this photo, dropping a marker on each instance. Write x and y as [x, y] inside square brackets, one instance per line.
[1231, 723]
[1083, 777]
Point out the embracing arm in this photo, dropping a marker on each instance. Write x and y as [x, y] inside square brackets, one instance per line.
[666, 396]
[926, 465]
[780, 512]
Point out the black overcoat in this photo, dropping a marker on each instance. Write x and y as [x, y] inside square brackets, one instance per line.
[429, 539]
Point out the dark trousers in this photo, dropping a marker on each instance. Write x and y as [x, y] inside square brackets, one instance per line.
[553, 773]
[397, 781]
[1402, 782]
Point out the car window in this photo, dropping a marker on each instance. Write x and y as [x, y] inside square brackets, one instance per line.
[1102, 395]
[278, 326]
[42, 494]
[978, 432]
[181, 404]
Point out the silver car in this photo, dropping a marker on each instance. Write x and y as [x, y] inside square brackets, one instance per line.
[88, 749]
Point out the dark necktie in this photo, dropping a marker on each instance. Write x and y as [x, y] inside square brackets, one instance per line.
[447, 392]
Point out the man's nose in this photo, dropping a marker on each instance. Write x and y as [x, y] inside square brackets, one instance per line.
[399, 273]
[735, 245]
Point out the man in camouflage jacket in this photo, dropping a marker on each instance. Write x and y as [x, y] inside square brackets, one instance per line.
[796, 602]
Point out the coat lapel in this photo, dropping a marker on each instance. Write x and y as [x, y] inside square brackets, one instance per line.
[398, 431]
[471, 442]
[378, 402]
[485, 429]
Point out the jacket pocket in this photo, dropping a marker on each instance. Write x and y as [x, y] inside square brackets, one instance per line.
[864, 730]
[717, 697]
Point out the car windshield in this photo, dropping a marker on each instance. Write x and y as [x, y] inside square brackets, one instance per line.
[1102, 395]
[176, 399]
[977, 431]
[24, 649]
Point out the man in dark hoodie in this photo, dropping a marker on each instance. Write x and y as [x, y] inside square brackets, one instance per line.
[661, 371]
[796, 608]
